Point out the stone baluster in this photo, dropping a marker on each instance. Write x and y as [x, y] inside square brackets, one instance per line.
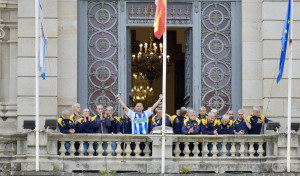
[72, 149]
[137, 150]
[2, 148]
[233, 149]
[118, 149]
[109, 149]
[81, 148]
[147, 150]
[214, 149]
[91, 148]
[196, 150]
[100, 149]
[176, 150]
[128, 149]
[205, 150]
[11, 149]
[224, 149]
[260, 150]
[242, 149]
[62, 149]
[251, 149]
[186, 150]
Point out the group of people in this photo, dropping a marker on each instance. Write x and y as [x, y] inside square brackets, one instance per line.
[137, 121]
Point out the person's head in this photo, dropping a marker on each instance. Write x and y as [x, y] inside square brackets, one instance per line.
[139, 107]
[192, 114]
[231, 114]
[256, 111]
[86, 112]
[215, 112]
[188, 109]
[202, 111]
[225, 119]
[110, 110]
[99, 109]
[183, 111]
[158, 112]
[124, 111]
[178, 111]
[66, 114]
[159, 105]
[241, 114]
[211, 117]
[76, 108]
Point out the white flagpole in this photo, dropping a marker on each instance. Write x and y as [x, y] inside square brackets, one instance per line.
[288, 162]
[163, 148]
[37, 85]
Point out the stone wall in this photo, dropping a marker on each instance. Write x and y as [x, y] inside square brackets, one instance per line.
[8, 64]
[261, 42]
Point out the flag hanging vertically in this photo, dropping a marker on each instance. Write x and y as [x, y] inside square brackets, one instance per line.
[43, 43]
[284, 39]
[160, 18]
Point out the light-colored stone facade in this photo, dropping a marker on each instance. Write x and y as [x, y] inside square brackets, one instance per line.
[262, 23]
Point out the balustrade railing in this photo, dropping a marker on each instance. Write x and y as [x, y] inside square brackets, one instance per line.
[8, 145]
[219, 146]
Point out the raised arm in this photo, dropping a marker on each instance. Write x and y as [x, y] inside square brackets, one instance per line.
[247, 123]
[156, 104]
[122, 103]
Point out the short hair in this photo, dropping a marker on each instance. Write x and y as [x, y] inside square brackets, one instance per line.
[225, 116]
[65, 112]
[85, 109]
[183, 111]
[109, 108]
[214, 110]
[191, 111]
[202, 108]
[75, 105]
[255, 108]
[99, 105]
[158, 109]
[211, 114]
[241, 110]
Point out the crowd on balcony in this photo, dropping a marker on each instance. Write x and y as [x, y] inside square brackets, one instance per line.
[137, 121]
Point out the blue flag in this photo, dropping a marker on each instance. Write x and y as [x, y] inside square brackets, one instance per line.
[43, 43]
[284, 39]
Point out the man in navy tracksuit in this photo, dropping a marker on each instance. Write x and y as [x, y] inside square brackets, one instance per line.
[125, 123]
[202, 113]
[67, 126]
[210, 124]
[100, 123]
[241, 125]
[192, 125]
[225, 125]
[157, 119]
[115, 127]
[256, 120]
[84, 123]
[178, 120]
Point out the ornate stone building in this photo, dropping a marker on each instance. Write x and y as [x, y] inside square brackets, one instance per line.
[230, 56]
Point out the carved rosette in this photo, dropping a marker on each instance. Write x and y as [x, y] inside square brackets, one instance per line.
[102, 54]
[216, 56]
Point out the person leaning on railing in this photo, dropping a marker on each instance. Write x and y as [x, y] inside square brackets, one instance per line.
[139, 119]
[191, 125]
[84, 123]
[241, 125]
[115, 127]
[65, 124]
[177, 120]
[157, 119]
[225, 125]
[210, 124]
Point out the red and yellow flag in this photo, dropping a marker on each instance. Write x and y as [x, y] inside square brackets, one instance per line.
[160, 18]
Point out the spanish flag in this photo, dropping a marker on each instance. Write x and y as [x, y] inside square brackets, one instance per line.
[160, 18]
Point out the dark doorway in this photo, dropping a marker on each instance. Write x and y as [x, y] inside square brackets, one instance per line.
[175, 68]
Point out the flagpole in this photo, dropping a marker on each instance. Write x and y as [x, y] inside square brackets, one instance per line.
[288, 160]
[36, 85]
[164, 95]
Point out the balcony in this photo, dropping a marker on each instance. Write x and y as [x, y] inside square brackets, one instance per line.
[142, 153]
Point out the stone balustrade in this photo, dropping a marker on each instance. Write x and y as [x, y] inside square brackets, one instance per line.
[142, 153]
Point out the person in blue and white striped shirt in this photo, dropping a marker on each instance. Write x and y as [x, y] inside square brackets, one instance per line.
[139, 119]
